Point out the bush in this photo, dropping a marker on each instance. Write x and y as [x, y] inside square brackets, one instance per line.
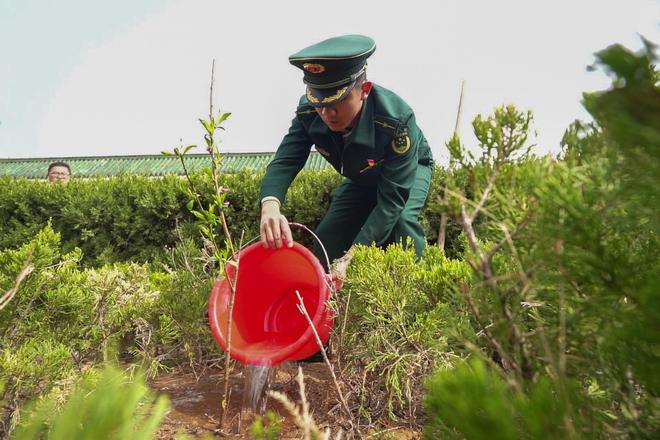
[120, 219]
[403, 323]
[107, 404]
[65, 319]
[473, 402]
[132, 218]
[565, 293]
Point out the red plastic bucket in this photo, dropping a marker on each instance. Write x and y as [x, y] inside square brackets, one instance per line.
[267, 327]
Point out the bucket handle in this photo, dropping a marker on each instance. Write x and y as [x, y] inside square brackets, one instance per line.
[297, 226]
[334, 287]
[316, 237]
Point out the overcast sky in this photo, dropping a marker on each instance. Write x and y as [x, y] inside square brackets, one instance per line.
[87, 77]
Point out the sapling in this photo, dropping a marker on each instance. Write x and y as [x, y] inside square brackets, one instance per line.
[213, 216]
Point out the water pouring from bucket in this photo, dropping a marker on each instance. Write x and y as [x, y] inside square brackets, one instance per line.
[267, 326]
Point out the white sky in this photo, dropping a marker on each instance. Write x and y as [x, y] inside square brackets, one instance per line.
[87, 77]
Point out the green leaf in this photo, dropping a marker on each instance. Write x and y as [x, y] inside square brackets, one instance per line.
[188, 148]
[222, 118]
[199, 215]
[208, 125]
[219, 200]
[205, 230]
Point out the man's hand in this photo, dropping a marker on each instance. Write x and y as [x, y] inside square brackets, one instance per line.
[274, 227]
[339, 269]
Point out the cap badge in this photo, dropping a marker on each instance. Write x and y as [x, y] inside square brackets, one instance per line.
[314, 68]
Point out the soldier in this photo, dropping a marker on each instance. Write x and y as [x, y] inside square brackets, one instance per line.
[370, 136]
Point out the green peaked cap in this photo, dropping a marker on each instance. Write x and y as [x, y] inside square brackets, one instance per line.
[331, 67]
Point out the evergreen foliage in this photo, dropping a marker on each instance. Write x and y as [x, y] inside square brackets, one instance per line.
[66, 319]
[567, 300]
[404, 321]
[107, 404]
[474, 402]
[132, 218]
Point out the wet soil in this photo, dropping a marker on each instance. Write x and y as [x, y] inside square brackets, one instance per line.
[195, 408]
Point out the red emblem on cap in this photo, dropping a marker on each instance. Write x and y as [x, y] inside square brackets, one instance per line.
[314, 68]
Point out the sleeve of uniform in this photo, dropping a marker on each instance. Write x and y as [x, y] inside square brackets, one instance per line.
[289, 159]
[396, 180]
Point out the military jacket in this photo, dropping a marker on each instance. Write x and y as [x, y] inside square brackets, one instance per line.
[382, 151]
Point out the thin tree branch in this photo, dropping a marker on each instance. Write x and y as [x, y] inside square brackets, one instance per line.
[347, 410]
[519, 227]
[232, 284]
[460, 107]
[9, 295]
[442, 231]
[507, 362]
[467, 201]
[484, 196]
[484, 264]
[211, 91]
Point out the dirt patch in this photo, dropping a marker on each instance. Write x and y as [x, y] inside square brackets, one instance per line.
[196, 403]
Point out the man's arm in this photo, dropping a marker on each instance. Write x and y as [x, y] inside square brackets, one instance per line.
[289, 160]
[396, 180]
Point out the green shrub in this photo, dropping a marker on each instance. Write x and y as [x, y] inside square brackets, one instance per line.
[119, 219]
[182, 334]
[402, 323]
[565, 295]
[131, 218]
[65, 319]
[107, 404]
[271, 430]
[473, 402]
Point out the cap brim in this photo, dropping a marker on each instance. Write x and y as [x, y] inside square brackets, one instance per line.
[328, 97]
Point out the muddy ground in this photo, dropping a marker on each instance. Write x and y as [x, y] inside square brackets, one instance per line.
[196, 403]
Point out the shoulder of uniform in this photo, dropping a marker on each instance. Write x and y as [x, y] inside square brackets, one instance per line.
[386, 123]
[304, 108]
[390, 110]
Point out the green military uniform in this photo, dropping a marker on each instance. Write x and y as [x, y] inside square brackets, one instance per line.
[385, 157]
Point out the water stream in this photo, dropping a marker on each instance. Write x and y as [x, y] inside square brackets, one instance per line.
[255, 388]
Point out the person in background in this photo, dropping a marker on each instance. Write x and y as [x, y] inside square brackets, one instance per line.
[59, 172]
[370, 136]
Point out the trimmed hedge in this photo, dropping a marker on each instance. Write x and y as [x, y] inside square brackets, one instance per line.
[134, 218]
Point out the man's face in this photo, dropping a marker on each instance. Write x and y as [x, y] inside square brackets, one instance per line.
[58, 173]
[342, 115]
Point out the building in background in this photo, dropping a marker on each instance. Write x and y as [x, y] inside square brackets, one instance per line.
[143, 165]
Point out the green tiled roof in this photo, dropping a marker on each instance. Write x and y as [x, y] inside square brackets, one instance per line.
[146, 165]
